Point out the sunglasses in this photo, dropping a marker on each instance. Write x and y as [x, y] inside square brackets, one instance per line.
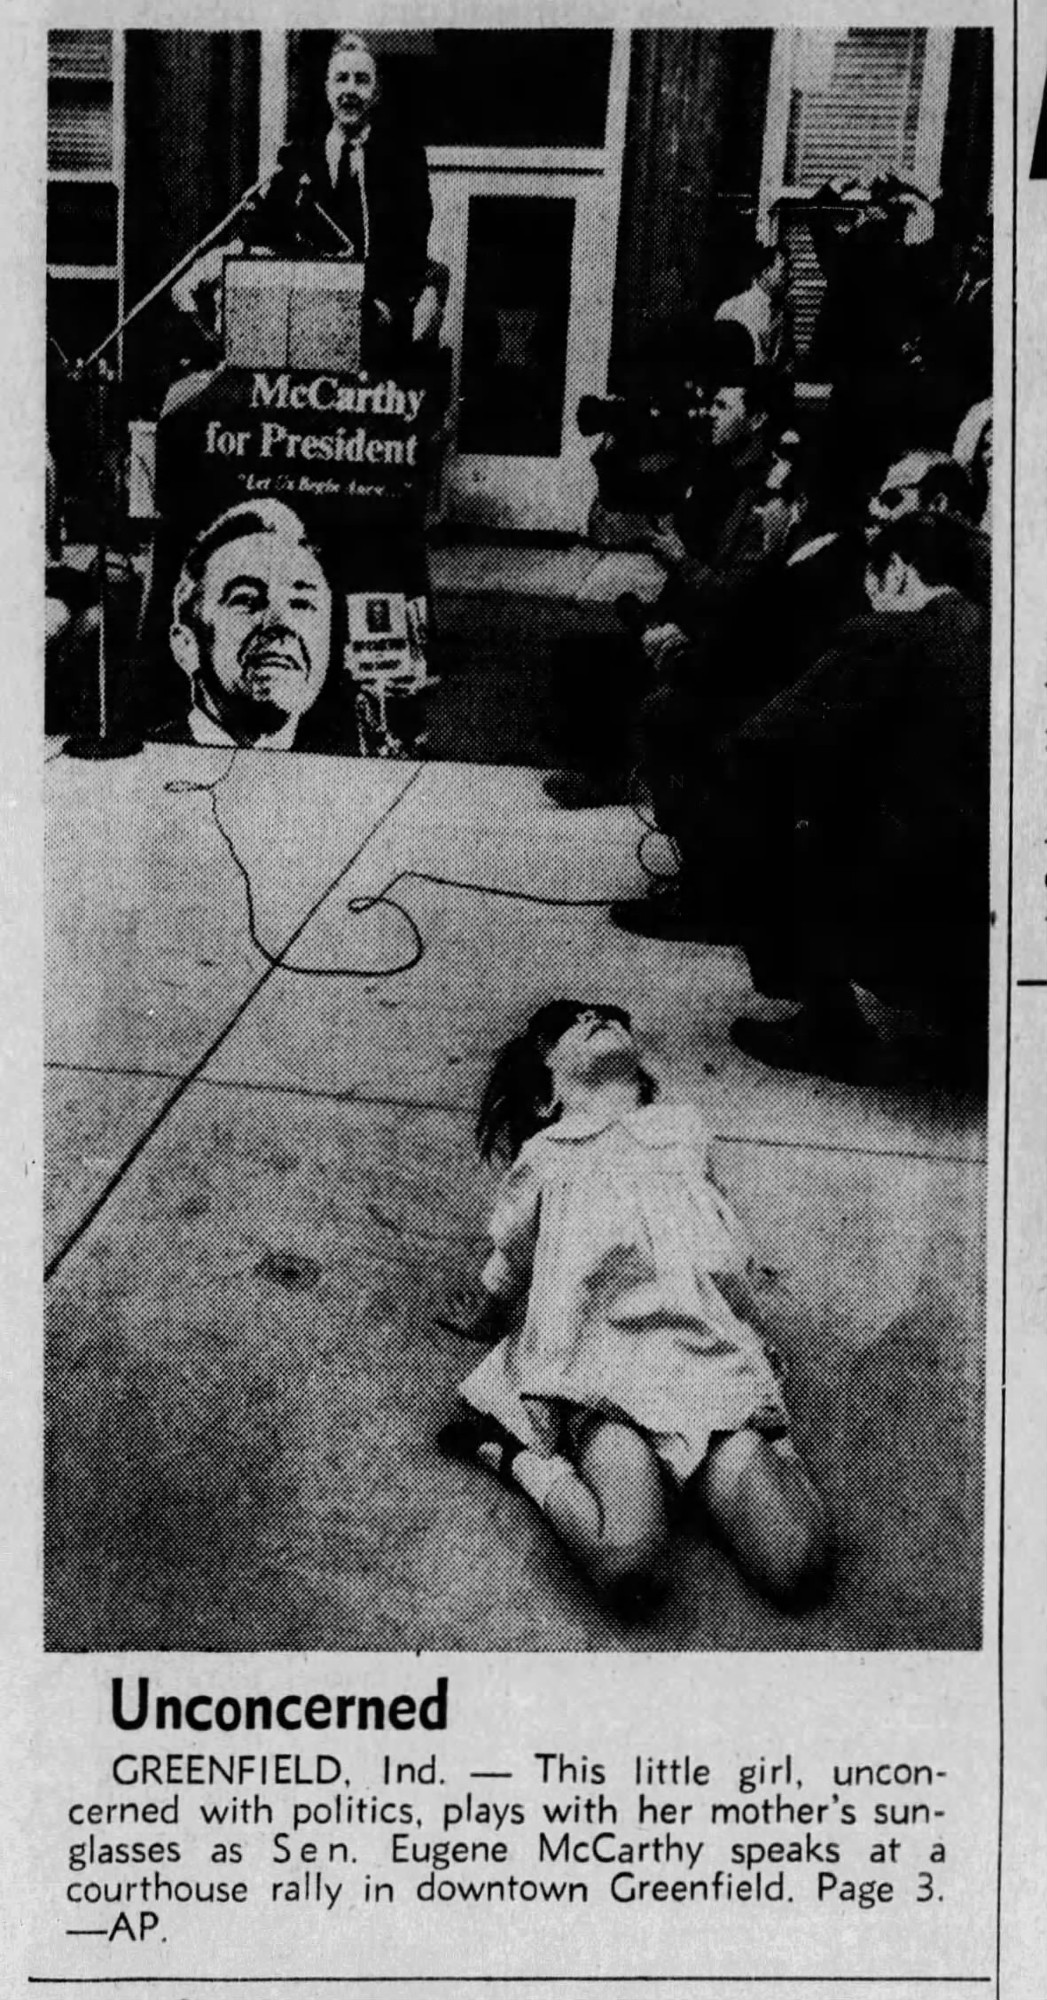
[892, 496]
[561, 1016]
[618, 1014]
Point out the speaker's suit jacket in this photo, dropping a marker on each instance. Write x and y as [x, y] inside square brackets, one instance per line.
[399, 208]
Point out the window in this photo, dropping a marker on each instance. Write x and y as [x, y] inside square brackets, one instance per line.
[865, 100]
[854, 101]
[84, 195]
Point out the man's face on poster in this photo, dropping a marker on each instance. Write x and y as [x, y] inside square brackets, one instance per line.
[352, 86]
[262, 623]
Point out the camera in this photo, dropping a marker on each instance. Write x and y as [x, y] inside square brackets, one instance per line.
[653, 437]
[643, 462]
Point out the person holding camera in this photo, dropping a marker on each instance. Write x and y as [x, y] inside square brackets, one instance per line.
[723, 530]
[716, 534]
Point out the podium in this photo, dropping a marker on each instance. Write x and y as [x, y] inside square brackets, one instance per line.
[286, 313]
[306, 406]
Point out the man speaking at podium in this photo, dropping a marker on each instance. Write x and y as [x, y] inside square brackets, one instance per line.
[360, 190]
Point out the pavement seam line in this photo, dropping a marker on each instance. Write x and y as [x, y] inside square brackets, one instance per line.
[456, 1109]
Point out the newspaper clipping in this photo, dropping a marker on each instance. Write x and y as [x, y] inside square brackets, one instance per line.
[524, 1185]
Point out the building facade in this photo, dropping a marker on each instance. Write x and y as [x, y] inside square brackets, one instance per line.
[587, 186]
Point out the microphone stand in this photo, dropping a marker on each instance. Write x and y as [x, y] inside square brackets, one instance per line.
[107, 741]
[346, 241]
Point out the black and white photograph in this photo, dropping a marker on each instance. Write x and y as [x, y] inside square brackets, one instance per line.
[516, 832]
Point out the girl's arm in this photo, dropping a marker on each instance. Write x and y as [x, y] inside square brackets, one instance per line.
[513, 1231]
[760, 1274]
[481, 1314]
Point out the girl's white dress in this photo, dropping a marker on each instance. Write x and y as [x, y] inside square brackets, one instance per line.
[618, 1228]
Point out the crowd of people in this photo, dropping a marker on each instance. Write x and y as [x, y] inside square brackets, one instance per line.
[803, 707]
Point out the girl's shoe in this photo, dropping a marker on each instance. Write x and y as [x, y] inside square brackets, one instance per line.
[464, 1437]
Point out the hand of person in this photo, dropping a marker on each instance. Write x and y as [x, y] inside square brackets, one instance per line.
[427, 313]
[661, 642]
[664, 542]
[777, 517]
[183, 295]
[472, 1314]
[383, 313]
[206, 270]
[417, 613]
[58, 616]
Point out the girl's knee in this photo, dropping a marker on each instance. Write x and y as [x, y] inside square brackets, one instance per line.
[633, 1534]
[772, 1516]
[631, 1550]
[793, 1557]
[623, 1475]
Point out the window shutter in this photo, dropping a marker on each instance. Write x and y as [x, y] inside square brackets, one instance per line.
[857, 110]
[80, 105]
[868, 113]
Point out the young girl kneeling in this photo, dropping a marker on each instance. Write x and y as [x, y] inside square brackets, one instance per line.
[630, 1372]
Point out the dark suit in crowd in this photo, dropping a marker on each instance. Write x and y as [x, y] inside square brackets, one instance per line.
[722, 523]
[762, 635]
[602, 682]
[853, 813]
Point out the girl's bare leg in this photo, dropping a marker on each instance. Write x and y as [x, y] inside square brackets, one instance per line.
[770, 1514]
[609, 1511]
[608, 1507]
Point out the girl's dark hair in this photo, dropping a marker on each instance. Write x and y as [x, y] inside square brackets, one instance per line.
[512, 1108]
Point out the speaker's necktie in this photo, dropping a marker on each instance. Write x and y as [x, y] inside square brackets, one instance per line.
[350, 211]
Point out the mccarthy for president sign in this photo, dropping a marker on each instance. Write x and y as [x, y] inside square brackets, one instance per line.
[298, 435]
[343, 446]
